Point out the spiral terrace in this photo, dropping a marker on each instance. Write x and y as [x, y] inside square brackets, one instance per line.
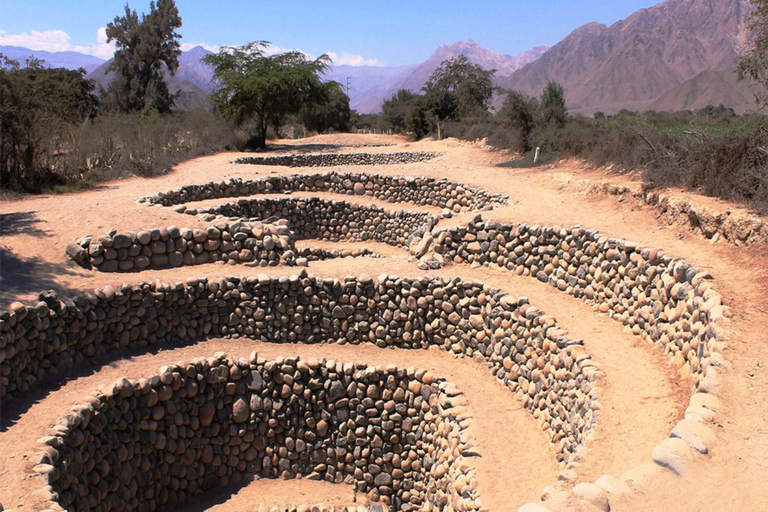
[498, 358]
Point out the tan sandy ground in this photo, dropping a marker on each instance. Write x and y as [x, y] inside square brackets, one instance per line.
[642, 396]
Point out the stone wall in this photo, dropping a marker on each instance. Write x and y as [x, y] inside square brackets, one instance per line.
[241, 241]
[664, 300]
[718, 221]
[153, 443]
[395, 189]
[337, 159]
[321, 219]
[523, 347]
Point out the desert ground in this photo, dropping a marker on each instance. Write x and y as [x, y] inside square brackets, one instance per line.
[643, 394]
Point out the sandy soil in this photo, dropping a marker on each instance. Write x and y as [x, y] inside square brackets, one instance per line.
[642, 396]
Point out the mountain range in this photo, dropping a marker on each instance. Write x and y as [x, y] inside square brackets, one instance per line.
[674, 55]
[679, 54]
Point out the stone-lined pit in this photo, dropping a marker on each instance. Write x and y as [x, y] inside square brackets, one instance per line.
[259, 232]
[523, 347]
[337, 159]
[321, 219]
[153, 443]
[421, 191]
[664, 300]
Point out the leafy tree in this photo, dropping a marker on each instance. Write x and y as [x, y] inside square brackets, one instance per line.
[333, 114]
[520, 112]
[253, 86]
[145, 47]
[417, 121]
[553, 111]
[754, 63]
[38, 109]
[458, 89]
[396, 109]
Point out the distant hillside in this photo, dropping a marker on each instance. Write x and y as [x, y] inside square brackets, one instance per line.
[366, 83]
[69, 60]
[708, 88]
[638, 60]
[374, 88]
[192, 79]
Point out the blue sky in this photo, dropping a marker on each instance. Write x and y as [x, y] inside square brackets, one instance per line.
[392, 32]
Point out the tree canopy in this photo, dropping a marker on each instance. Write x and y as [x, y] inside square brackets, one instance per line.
[145, 47]
[458, 89]
[553, 110]
[519, 112]
[754, 63]
[37, 105]
[333, 114]
[470, 85]
[253, 86]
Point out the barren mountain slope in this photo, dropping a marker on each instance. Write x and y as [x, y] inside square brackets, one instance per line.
[635, 61]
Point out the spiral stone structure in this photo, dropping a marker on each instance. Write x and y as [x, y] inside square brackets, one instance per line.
[401, 436]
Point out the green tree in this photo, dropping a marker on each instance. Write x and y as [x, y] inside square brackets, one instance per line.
[396, 109]
[145, 47]
[253, 86]
[39, 108]
[417, 121]
[458, 89]
[519, 112]
[553, 111]
[754, 63]
[334, 114]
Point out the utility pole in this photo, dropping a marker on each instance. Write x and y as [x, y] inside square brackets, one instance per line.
[348, 79]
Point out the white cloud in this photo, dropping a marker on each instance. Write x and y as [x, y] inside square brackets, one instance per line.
[185, 47]
[350, 59]
[59, 41]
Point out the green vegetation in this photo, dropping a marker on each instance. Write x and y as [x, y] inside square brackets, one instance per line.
[712, 150]
[265, 89]
[40, 112]
[457, 91]
[144, 48]
[754, 62]
[58, 135]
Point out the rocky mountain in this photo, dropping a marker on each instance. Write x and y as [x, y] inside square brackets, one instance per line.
[69, 60]
[368, 92]
[647, 56]
[191, 69]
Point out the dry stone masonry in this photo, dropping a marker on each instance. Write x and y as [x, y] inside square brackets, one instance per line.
[662, 299]
[266, 244]
[322, 219]
[420, 191]
[153, 443]
[523, 347]
[338, 159]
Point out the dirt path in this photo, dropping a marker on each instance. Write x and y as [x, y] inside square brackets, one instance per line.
[641, 396]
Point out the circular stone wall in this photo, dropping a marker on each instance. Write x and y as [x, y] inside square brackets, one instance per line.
[153, 443]
[336, 159]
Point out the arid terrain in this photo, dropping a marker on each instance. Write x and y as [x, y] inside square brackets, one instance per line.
[642, 396]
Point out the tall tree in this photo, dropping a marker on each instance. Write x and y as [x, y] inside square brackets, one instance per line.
[520, 112]
[458, 89]
[754, 63]
[253, 86]
[395, 109]
[334, 114]
[144, 48]
[552, 108]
